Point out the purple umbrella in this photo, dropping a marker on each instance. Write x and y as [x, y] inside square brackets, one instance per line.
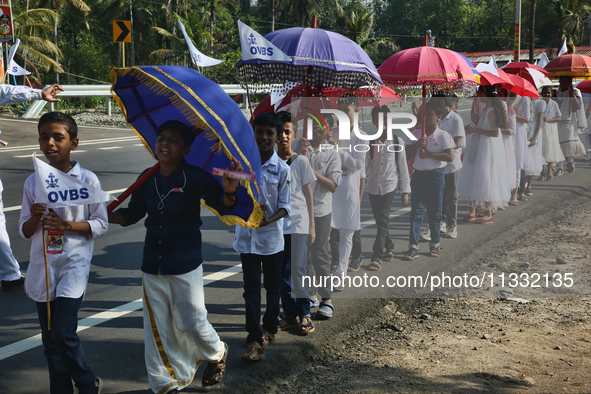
[320, 58]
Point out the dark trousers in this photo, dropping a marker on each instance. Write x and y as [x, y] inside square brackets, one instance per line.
[63, 350]
[271, 268]
[334, 246]
[294, 294]
[318, 262]
[380, 206]
[427, 194]
[449, 209]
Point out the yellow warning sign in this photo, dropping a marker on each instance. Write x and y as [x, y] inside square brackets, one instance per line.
[121, 31]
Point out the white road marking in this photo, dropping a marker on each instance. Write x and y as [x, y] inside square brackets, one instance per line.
[110, 147]
[39, 153]
[82, 143]
[138, 145]
[102, 317]
[18, 207]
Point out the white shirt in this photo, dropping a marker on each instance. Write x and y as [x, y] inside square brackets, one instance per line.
[276, 194]
[69, 270]
[327, 162]
[383, 169]
[437, 142]
[539, 105]
[18, 94]
[298, 222]
[454, 125]
[345, 201]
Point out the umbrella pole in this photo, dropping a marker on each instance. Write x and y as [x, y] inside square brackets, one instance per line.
[46, 280]
[247, 91]
[140, 181]
[424, 106]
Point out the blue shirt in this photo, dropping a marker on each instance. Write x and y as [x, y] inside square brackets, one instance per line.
[173, 238]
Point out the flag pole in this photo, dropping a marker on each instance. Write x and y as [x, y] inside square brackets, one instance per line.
[247, 89]
[46, 279]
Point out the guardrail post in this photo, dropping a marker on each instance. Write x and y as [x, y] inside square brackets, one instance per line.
[51, 106]
[108, 106]
[245, 100]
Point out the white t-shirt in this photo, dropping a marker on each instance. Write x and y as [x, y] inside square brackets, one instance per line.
[69, 270]
[301, 174]
[454, 125]
[437, 142]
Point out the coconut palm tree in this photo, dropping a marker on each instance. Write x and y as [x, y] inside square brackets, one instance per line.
[35, 28]
[359, 20]
[199, 36]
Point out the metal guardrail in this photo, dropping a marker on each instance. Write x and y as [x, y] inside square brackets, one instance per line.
[105, 91]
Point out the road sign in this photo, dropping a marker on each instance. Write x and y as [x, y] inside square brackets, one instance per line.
[121, 31]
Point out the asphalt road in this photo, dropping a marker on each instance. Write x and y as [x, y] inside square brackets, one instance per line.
[113, 341]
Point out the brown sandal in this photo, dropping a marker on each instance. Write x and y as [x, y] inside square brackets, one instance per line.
[214, 373]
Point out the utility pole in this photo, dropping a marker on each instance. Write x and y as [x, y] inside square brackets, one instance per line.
[517, 44]
[132, 54]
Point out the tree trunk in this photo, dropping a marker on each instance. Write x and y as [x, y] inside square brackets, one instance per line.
[272, 15]
[211, 16]
[532, 29]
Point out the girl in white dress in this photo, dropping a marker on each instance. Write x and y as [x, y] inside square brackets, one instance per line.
[535, 144]
[483, 177]
[570, 102]
[551, 148]
[522, 107]
[508, 141]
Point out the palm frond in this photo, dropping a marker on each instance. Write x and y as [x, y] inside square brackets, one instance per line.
[37, 57]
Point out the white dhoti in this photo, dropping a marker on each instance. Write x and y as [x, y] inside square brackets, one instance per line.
[177, 335]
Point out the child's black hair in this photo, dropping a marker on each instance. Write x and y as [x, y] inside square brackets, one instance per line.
[187, 134]
[288, 117]
[65, 120]
[435, 107]
[546, 87]
[383, 109]
[269, 119]
[329, 119]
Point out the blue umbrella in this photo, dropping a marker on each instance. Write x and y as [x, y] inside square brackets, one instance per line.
[472, 67]
[321, 58]
[151, 95]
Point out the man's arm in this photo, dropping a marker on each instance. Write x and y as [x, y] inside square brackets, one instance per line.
[19, 94]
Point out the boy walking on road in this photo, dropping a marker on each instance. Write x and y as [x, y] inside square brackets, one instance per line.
[68, 259]
[263, 246]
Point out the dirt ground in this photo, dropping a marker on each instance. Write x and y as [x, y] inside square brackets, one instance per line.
[500, 342]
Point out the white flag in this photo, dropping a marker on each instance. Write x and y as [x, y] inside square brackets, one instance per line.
[543, 60]
[487, 67]
[255, 46]
[12, 51]
[563, 50]
[58, 190]
[198, 58]
[15, 69]
[493, 62]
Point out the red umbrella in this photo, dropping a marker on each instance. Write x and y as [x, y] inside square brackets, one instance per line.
[578, 66]
[504, 76]
[487, 78]
[438, 68]
[518, 68]
[521, 86]
[584, 86]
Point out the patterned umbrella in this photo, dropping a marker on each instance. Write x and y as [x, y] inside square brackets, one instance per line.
[436, 68]
[151, 95]
[321, 58]
[577, 66]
